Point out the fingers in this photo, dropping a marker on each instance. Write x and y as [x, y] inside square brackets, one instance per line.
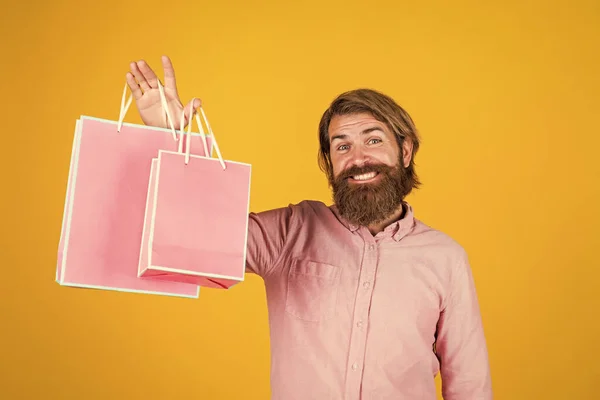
[148, 74]
[169, 72]
[139, 77]
[196, 103]
[142, 78]
[133, 85]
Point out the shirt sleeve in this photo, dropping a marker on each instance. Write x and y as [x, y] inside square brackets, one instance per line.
[461, 345]
[267, 233]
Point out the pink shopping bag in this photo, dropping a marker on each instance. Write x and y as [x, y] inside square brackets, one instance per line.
[196, 218]
[105, 202]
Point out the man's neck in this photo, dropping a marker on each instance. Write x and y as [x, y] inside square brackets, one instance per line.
[380, 226]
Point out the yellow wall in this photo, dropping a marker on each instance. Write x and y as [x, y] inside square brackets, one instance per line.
[506, 97]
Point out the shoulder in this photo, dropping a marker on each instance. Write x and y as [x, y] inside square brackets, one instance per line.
[443, 254]
[438, 244]
[431, 234]
[293, 219]
[304, 208]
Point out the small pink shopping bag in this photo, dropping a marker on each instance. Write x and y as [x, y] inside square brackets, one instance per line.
[105, 203]
[196, 218]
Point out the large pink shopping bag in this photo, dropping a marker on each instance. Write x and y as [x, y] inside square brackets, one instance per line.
[105, 204]
[196, 218]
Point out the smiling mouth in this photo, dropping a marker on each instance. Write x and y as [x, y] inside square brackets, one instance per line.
[369, 176]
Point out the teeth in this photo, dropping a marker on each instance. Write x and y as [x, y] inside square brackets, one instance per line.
[364, 177]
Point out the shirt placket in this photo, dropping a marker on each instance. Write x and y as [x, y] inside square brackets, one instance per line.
[360, 320]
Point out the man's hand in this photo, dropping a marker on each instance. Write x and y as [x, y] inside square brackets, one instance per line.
[144, 85]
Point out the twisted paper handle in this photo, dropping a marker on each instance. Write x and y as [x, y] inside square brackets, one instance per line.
[125, 107]
[126, 104]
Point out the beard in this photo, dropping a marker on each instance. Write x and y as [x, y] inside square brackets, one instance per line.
[364, 204]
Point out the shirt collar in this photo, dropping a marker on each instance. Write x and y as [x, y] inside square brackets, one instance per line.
[397, 230]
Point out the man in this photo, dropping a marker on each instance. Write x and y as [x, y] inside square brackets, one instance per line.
[365, 301]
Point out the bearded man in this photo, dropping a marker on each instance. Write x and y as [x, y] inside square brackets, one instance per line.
[365, 301]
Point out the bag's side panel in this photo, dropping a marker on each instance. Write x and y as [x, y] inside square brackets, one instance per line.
[61, 240]
[145, 245]
[64, 241]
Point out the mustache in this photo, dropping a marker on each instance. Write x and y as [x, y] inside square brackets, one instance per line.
[356, 170]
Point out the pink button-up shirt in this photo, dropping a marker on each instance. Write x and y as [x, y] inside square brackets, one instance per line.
[356, 316]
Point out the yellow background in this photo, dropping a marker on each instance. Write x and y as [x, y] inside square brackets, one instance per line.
[506, 97]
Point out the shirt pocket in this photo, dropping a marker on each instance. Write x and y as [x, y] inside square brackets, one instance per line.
[312, 290]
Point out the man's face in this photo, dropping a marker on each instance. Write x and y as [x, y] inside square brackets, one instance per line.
[368, 182]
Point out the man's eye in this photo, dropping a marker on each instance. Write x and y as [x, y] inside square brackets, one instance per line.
[374, 141]
[344, 147]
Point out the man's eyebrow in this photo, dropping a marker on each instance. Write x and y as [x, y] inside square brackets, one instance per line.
[341, 137]
[372, 129]
[364, 132]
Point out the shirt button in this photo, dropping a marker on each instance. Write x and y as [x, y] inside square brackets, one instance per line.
[354, 366]
[371, 247]
[359, 324]
[366, 285]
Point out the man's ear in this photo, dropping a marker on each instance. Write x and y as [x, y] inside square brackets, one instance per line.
[407, 148]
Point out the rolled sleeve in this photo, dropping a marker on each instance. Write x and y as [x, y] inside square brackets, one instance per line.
[267, 233]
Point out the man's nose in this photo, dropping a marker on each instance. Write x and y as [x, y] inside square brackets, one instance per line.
[359, 157]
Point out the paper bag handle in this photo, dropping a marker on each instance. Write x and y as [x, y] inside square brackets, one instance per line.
[189, 134]
[202, 134]
[211, 133]
[125, 107]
